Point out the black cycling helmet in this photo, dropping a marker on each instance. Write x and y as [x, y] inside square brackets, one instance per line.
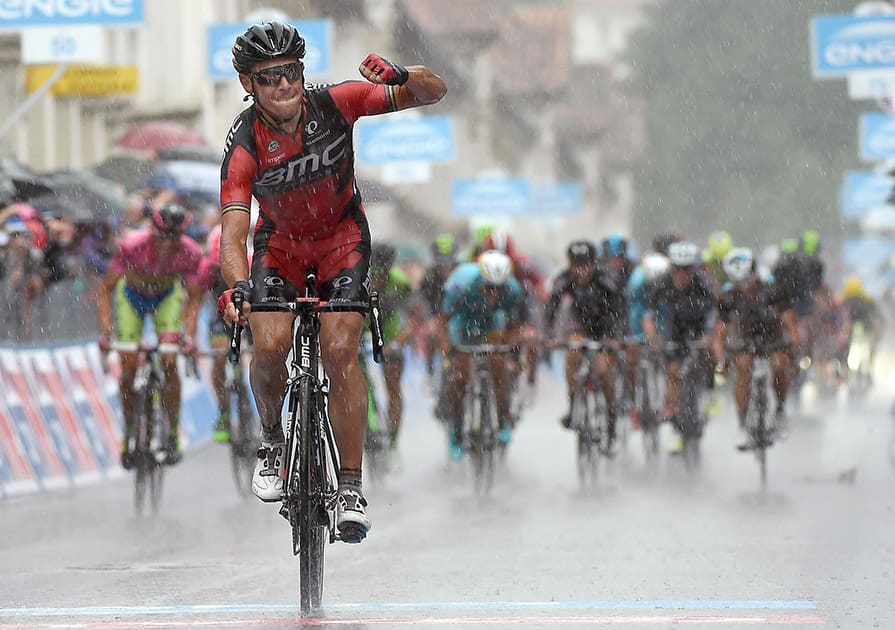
[382, 257]
[663, 240]
[262, 42]
[581, 252]
[171, 218]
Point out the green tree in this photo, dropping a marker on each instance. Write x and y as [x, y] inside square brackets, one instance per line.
[738, 134]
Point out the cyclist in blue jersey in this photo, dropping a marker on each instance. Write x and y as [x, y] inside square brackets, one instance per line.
[483, 303]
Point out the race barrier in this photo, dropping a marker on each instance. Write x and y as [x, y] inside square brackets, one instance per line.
[60, 417]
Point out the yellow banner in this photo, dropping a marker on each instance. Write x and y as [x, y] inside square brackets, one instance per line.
[80, 80]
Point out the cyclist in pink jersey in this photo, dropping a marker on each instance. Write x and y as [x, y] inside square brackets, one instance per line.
[292, 150]
[147, 275]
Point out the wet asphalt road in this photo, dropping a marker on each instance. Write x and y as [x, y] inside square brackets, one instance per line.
[641, 551]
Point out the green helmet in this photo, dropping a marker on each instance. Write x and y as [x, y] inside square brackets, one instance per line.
[810, 242]
[720, 244]
[789, 246]
[444, 246]
[481, 232]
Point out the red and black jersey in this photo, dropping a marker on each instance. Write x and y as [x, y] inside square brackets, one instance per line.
[304, 182]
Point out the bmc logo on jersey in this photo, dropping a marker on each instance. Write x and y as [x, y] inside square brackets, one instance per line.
[306, 167]
[232, 133]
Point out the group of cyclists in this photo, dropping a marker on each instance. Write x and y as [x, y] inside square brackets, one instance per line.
[291, 151]
[722, 297]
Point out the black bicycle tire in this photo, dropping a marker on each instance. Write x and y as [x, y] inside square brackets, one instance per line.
[688, 404]
[376, 440]
[760, 399]
[588, 457]
[160, 423]
[242, 453]
[648, 420]
[489, 435]
[142, 440]
[312, 535]
[472, 429]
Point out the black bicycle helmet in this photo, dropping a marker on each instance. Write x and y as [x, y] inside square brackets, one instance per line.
[382, 257]
[262, 42]
[171, 218]
[581, 252]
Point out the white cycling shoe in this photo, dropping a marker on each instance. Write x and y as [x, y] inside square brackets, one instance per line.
[267, 480]
[351, 519]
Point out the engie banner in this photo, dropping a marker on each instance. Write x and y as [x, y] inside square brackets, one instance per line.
[60, 418]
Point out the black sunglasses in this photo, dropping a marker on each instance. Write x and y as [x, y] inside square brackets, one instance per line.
[271, 76]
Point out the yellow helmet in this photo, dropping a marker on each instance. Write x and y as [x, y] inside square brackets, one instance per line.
[720, 244]
[853, 287]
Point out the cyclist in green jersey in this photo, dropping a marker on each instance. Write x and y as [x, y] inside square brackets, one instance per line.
[394, 289]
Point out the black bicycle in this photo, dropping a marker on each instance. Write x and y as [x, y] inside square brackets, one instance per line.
[311, 474]
[150, 432]
[588, 417]
[481, 420]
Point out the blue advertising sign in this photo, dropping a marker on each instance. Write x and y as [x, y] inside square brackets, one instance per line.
[551, 198]
[877, 137]
[490, 196]
[864, 190]
[318, 44]
[66, 12]
[384, 140]
[844, 43]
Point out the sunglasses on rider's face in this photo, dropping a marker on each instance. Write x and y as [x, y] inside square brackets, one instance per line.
[270, 77]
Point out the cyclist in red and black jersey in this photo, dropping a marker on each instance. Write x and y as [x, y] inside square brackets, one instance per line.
[292, 150]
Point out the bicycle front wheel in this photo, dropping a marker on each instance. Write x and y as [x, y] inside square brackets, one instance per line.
[312, 519]
[243, 439]
[762, 443]
[158, 439]
[484, 442]
[587, 460]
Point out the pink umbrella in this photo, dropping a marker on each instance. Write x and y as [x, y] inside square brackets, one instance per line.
[153, 136]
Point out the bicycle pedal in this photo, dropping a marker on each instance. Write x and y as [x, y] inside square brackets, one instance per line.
[352, 533]
[284, 511]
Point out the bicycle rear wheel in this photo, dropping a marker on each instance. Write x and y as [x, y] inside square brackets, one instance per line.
[312, 520]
